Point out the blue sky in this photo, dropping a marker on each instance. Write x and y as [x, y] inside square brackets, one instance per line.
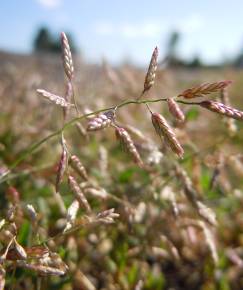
[119, 30]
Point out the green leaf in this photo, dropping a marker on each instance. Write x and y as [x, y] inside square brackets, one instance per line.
[192, 114]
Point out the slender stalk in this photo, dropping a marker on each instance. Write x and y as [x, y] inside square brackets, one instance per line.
[30, 149]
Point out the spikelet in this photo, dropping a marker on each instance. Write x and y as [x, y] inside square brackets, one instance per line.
[67, 57]
[230, 123]
[171, 247]
[60, 101]
[61, 168]
[41, 269]
[151, 73]
[163, 129]
[20, 251]
[128, 145]
[139, 285]
[210, 241]
[175, 110]
[103, 161]
[236, 164]
[107, 216]
[2, 278]
[206, 213]
[97, 192]
[136, 132]
[204, 89]
[167, 193]
[31, 213]
[222, 109]
[2, 223]
[59, 201]
[4, 255]
[78, 167]
[79, 194]
[71, 214]
[102, 121]
[189, 191]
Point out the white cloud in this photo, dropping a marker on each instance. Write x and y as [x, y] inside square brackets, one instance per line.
[147, 29]
[50, 3]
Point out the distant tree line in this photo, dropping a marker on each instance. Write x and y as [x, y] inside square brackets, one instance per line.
[45, 41]
[174, 59]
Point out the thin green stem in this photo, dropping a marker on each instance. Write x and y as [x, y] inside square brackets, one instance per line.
[29, 150]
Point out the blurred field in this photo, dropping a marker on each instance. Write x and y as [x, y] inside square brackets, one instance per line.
[148, 246]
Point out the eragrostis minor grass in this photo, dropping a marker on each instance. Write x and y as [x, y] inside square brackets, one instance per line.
[80, 212]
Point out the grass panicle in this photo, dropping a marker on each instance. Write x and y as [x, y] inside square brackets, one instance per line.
[128, 145]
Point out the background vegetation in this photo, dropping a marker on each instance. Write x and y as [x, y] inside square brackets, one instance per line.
[158, 241]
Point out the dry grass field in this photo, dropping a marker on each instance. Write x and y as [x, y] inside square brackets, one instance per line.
[80, 211]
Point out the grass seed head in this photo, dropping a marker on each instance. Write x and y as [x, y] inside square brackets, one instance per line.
[31, 212]
[210, 241]
[128, 145]
[41, 269]
[71, 214]
[222, 109]
[78, 167]
[102, 121]
[60, 101]
[175, 110]
[206, 213]
[67, 57]
[151, 73]
[164, 130]
[2, 277]
[61, 168]
[79, 194]
[107, 216]
[204, 89]
[20, 251]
